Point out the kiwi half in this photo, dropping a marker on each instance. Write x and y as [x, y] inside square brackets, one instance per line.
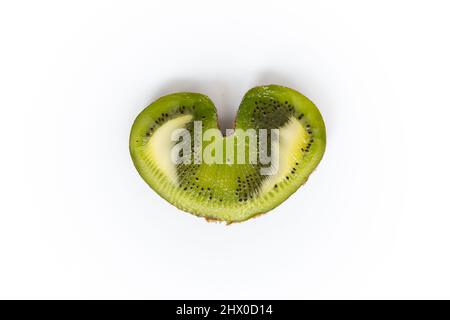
[228, 191]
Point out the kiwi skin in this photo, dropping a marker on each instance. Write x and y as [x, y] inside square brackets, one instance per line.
[206, 111]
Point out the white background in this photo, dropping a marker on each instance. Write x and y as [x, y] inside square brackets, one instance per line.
[77, 221]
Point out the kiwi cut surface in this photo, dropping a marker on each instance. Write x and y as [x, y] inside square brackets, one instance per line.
[228, 191]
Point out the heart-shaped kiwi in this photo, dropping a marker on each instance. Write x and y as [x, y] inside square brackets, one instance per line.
[178, 149]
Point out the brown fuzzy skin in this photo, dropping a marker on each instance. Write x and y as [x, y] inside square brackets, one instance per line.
[211, 219]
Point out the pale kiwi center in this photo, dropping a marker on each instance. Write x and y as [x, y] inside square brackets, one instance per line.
[161, 144]
[292, 138]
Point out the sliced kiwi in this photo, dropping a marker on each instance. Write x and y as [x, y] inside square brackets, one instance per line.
[228, 190]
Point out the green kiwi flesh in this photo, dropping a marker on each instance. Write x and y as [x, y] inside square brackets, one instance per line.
[229, 192]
